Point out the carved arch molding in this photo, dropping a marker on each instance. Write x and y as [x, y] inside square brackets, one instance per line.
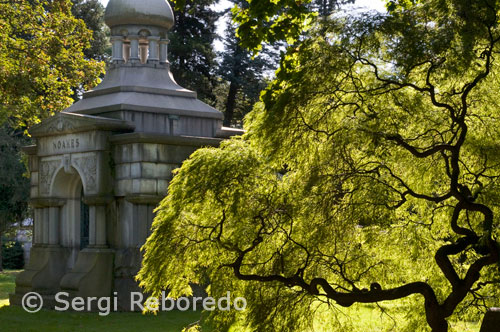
[86, 165]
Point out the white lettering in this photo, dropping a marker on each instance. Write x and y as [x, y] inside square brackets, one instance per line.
[228, 302]
[209, 303]
[179, 306]
[60, 300]
[136, 301]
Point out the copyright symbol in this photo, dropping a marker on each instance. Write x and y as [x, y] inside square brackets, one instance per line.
[32, 302]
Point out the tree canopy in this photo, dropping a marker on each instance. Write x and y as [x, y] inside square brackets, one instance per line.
[369, 172]
[92, 13]
[244, 75]
[41, 59]
[191, 51]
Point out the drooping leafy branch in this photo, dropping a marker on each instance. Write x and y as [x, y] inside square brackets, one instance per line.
[368, 173]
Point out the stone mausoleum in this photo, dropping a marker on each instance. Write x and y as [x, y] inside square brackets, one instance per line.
[99, 168]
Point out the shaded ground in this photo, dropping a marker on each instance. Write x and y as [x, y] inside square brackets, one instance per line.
[13, 319]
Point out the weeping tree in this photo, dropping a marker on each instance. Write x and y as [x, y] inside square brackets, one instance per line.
[368, 173]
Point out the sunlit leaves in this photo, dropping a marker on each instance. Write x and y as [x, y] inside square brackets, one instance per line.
[41, 59]
[375, 147]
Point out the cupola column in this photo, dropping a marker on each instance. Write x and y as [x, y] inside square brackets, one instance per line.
[117, 49]
[134, 48]
[153, 49]
[164, 51]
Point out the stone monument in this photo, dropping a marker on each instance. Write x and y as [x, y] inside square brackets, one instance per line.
[99, 168]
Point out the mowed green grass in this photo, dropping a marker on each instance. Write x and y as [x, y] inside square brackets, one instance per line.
[7, 285]
[361, 318]
[14, 319]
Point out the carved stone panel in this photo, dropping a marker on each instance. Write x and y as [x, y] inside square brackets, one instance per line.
[61, 125]
[87, 166]
[47, 170]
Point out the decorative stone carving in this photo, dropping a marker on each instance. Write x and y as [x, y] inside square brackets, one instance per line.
[47, 170]
[88, 166]
[61, 125]
[67, 164]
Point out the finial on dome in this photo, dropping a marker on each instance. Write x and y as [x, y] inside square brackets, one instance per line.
[139, 12]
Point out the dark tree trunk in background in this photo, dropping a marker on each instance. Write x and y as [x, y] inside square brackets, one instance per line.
[1, 260]
[230, 104]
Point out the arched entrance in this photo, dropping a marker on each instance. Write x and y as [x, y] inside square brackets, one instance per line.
[74, 220]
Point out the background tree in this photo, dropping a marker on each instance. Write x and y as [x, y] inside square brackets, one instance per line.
[41, 59]
[244, 73]
[369, 173]
[14, 186]
[92, 13]
[42, 62]
[191, 51]
[244, 76]
[327, 7]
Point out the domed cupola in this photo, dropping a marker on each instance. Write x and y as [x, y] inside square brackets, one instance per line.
[144, 12]
[138, 86]
[139, 30]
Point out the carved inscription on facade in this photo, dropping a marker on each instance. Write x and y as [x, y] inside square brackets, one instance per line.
[65, 144]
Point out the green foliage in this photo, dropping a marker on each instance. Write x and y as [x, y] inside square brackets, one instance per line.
[14, 186]
[244, 75]
[191, 50]
[41, 59]
[369, 172]
[92, 13]
[12, 255]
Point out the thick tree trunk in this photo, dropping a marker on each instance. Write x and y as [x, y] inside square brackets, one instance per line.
[441, 328]
[435, 318]
[230, 104]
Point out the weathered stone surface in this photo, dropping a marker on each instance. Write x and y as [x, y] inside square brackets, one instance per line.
[123, 187]
[92, 274]
[72, 143]
[144, 186]
[44, 271]
[123, 171]
[145, 12]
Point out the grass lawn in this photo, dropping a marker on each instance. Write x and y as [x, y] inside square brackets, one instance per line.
[13, 319]
[7, 285]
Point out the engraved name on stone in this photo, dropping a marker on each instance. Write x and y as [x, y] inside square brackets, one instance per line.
[65, 144]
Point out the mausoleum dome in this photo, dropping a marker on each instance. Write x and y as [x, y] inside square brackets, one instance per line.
[139, 12]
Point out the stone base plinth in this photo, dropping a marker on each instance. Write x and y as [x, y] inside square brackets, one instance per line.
[92, 275]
